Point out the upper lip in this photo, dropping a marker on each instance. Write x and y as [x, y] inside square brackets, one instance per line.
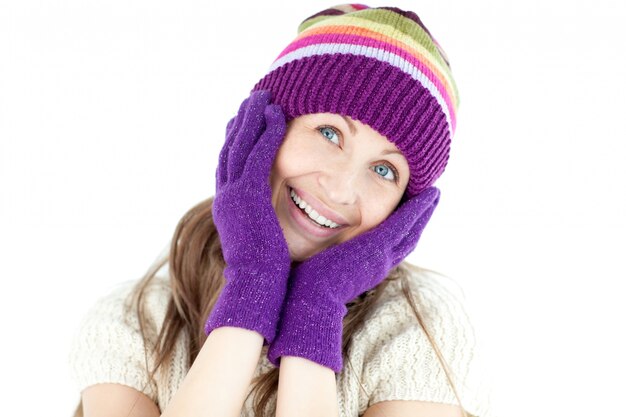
[321, 208]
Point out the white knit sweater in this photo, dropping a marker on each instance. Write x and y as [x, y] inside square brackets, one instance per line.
[390, 354]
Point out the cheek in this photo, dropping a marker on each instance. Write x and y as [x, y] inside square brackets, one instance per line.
[372, 219]
[295, 157]
[378, 210]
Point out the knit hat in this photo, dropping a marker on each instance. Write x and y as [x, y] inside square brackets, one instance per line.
[380, 66]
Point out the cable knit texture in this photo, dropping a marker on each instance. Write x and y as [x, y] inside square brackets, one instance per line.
[390, 354]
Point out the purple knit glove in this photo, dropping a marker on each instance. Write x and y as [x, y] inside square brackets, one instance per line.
[311, 323]
[254, 247]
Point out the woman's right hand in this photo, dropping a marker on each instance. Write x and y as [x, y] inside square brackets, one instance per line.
[254, 247]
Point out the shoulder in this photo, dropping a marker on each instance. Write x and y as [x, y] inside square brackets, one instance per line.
[114, 313]
[400, 361]
[438, 300]
[108, 346]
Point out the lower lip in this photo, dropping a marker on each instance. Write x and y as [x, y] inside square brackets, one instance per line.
[305, 222]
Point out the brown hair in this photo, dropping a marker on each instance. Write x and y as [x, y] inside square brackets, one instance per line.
[196, 268]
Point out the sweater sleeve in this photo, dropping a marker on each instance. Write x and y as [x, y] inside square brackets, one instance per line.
[108, 346]
[402, 363]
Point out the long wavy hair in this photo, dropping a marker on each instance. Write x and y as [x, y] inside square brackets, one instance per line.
[196, 267]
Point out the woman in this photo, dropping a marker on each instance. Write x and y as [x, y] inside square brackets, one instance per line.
[295, 268]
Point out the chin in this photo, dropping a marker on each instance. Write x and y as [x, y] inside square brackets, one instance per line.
[302, 254]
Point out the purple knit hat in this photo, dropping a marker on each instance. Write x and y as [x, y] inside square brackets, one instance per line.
[380, 66]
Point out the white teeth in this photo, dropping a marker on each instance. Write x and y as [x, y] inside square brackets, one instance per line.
[314, 215]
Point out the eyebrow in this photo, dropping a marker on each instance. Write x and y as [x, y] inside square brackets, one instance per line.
[388, 151]
[353, 131]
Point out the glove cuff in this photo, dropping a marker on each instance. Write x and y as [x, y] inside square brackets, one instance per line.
[310, 331]
[251, 300]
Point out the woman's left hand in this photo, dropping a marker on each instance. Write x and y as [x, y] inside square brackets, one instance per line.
[311, 323]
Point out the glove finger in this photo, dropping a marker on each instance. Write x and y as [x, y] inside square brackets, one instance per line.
[404, 217]
[422, 207]
[221, 174]
[364, 253]
[396, 236]
[264, 153]
[252, 126]
[392, 234]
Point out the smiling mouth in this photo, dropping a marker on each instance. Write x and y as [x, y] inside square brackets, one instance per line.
[329, 224]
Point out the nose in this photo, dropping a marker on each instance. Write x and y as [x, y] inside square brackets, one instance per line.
[340, 185]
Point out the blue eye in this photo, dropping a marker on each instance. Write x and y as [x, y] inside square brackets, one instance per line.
[387, 171]
[383, 170]
[329, 133]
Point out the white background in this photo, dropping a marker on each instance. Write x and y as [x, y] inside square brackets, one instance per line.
[112, 114]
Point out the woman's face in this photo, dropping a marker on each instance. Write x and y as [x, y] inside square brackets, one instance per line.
[341, 169]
